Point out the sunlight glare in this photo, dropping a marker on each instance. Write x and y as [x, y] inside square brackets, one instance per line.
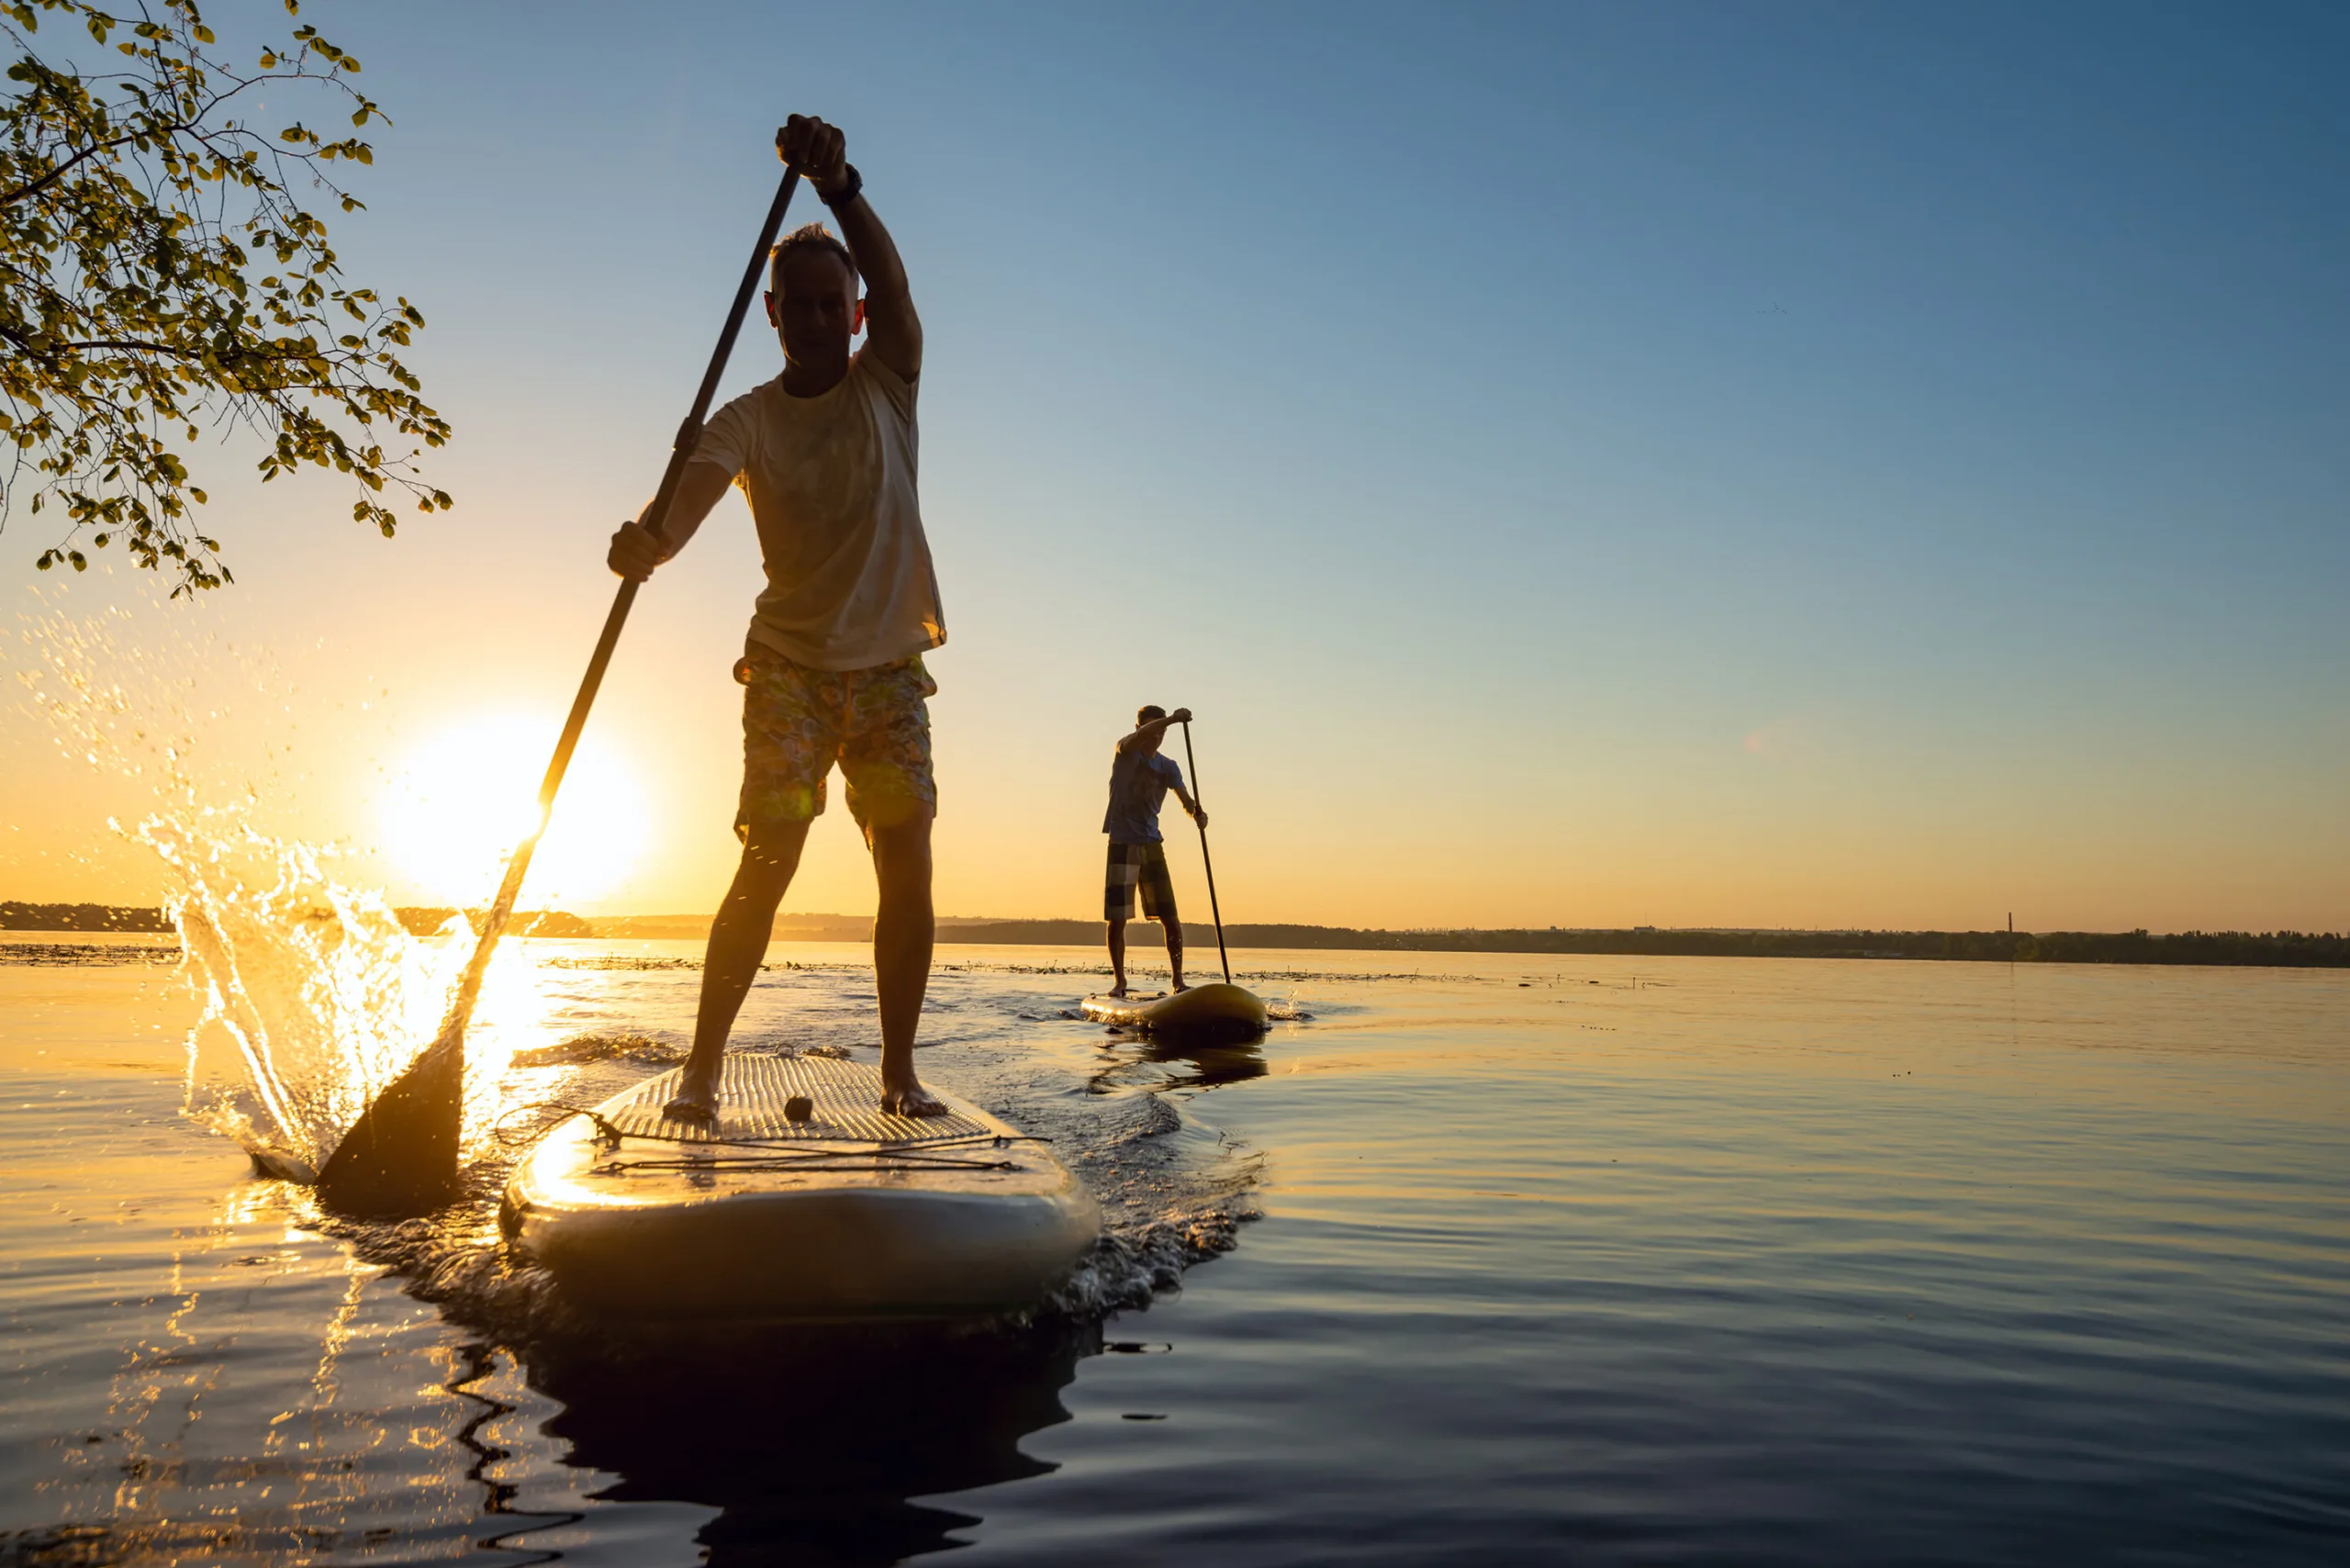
[465, 799]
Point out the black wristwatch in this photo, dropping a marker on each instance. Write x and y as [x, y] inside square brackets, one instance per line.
[847, 192]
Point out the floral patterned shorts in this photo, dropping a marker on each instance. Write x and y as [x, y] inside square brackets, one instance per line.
[798, 721]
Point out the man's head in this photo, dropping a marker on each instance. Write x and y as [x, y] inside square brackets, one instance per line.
[1143, 716]
[811, 298]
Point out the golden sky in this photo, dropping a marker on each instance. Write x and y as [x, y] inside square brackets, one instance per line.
[1638, 498]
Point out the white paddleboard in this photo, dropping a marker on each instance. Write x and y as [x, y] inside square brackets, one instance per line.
[849, 1214]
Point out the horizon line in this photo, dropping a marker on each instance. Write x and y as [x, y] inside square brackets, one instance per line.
[38, 907]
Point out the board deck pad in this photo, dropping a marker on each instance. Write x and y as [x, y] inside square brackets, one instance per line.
[751, 1094]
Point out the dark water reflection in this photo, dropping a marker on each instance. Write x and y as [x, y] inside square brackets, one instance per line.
[814, 1445]
[1187, 1066]
[1204, 1066]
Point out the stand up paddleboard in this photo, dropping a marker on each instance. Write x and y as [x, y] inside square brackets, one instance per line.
[1213, 1012]
[839, 1212]
[1217, 1013]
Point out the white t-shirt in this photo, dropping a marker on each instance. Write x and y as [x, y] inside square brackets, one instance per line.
[831, 482]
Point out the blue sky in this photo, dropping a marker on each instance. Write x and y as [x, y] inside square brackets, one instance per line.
[1803, 465]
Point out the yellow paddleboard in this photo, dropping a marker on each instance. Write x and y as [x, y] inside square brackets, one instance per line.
[1217, 1011]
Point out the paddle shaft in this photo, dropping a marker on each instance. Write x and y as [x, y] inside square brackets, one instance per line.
[370, 1171]
[1217, 915]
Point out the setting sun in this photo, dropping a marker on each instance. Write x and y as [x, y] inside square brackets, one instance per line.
[463, 800]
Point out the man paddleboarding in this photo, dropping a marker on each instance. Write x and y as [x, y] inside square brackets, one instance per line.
[831, 669]
[1139, 780]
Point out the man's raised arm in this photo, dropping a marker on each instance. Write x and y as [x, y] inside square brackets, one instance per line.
[821, 154]
[1154, 727]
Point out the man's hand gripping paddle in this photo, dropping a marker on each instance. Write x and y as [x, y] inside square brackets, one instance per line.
[401, 1158]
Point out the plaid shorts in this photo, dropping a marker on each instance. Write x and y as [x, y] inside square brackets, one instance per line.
[1136, 866]
[798, 721]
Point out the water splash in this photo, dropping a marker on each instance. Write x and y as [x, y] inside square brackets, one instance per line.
[314, 996]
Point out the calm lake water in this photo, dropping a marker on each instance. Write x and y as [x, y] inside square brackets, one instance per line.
[1485, 1258]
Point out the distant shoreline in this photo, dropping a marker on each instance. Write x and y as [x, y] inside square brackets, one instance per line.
[2277, 949]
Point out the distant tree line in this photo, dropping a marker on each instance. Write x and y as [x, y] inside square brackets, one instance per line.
[2297, 949]
[2290, 949]
[17, 916]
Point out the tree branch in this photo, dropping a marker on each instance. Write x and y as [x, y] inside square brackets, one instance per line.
[36, 186]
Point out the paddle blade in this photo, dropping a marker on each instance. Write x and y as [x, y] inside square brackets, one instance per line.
[401, 1158]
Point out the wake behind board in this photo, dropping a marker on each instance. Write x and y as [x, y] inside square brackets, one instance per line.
[850, 1214]
[1217, 1011]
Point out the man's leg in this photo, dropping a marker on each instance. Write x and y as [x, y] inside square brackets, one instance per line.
[886, 759]
[1118, 906]
[1158, 902]
[738, 941]
[903, 930]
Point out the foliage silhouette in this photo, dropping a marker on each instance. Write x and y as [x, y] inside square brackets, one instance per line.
[158, 271]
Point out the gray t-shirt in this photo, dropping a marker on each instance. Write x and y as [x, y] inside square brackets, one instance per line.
[1138, 784]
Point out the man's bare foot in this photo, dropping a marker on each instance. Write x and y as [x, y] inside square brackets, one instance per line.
[1118, 990]
[695, 1101]
[910, 1099]
[1180, 986]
